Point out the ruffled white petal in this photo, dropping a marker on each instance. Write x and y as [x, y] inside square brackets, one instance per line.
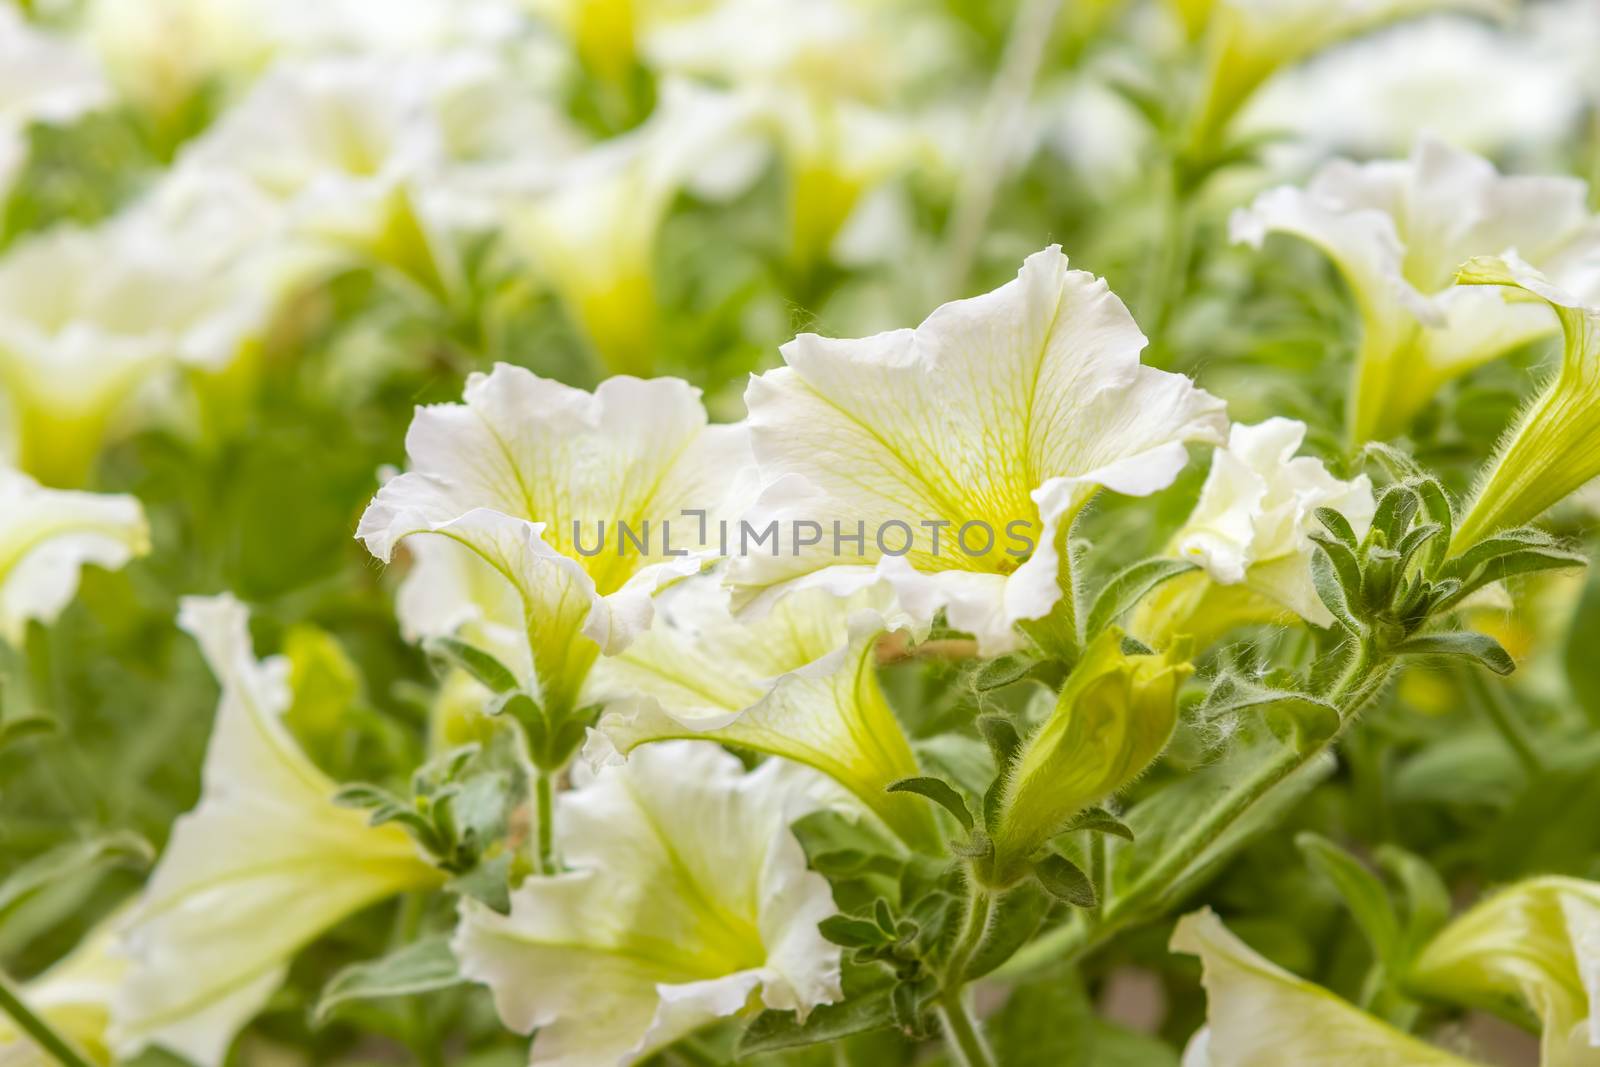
[799, 683]
[47, 536]
[264, 864]
[589, 223]
[1257, 510]
[1398, 230]
[1006, 411]
[688, 901]
[535, 477]
[1537, 942]
[43, 78]
[1260, 1015]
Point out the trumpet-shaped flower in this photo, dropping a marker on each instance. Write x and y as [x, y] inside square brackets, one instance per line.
[74, 997]
[47, 536]
[1251, 529]
[1260, 1015]
[344, 146]
[798, 683]
[1247, 41]
[1477, 86]
[589, 223]
[1537, 943]
[164, 56]
[818, 75]
[1397, 231]
[964, 448]
[577, 499]
[1555, 447]
[42, 79]
[263, 865]
[88, 316]
[689, 901]
[1112, 719]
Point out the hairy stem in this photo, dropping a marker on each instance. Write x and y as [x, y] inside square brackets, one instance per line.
[961, 1032]
[37, 1030]
[545, 809]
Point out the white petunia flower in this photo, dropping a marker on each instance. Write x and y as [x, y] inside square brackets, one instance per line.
[576, 498]
[164, 56]
[689, 900]
[346, 147]
[1257, 510]
[47, 536]
[1260, 1015]
[88, 316]
[798, 683]
[588, 223]
[1248, 41]
[264, 864]
[1397, 231]
[1537, 942]
[74, 997]
[1477, 86]
[42, 79]
[822, 77]
[963, 449]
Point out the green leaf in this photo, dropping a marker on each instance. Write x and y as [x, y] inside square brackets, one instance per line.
[1127, 587]
[772, 1031]
[1401, 466]
[1479, 647]
[1329, 580]
[1427, 897]
[1339, 527]
[71, 860]
[848, 932]
[1362, 891]
[488, 882]
[999, 673]
[940, 792]
[488, 670]
[1065, 881]
[1414, 540]
[1397, 505]
[1046, 1023]
[1098, 821]
[1436, 505]
[423, 967]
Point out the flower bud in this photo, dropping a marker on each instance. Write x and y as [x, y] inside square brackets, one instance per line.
[1113, 718]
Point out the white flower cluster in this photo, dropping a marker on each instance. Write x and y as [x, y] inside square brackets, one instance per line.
[390, 137]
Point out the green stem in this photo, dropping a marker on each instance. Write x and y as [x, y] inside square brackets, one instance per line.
[37, 1030]
[961, 1032]
[974, 928]
[545, 801]
[1491, 701]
